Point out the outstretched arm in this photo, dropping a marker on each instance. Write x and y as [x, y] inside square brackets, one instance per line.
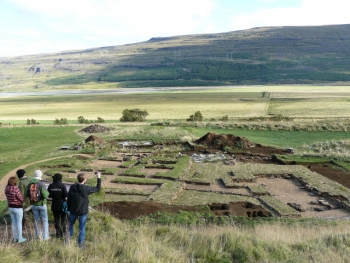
[97, 188]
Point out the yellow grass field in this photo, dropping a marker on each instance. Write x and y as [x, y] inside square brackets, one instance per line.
[236, 102]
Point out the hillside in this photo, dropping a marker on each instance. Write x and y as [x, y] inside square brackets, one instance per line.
[270, 55]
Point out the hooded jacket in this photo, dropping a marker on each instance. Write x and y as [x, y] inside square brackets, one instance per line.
[58, 192]
[78, 201]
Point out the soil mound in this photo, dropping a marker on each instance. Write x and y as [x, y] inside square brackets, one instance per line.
[95, 129]
[221, 140]
[93, 138]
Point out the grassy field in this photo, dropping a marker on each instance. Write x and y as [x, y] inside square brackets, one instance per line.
[30, 144]
[23, 143]
[193, 238]
[304, 102]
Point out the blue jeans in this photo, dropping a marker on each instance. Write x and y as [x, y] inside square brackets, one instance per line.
[82, 222]
[16, 218]
[40, 216]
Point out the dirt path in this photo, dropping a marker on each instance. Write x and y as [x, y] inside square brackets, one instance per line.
[3, 181]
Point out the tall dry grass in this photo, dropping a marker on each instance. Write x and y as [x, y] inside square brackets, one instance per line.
[112, 240]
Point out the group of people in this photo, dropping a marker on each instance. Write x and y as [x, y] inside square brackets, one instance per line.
[72, 204]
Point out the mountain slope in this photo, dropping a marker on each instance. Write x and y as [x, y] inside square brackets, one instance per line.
[270, 55]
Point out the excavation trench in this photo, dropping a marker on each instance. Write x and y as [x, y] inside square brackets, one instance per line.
[130, 210]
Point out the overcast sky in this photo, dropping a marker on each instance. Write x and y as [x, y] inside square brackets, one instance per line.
[46, 26]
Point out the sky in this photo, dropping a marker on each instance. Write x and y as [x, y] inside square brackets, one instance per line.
[49, 26]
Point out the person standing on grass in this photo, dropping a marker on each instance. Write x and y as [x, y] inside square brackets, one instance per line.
[58, 192]
[39, 207]
[78, 204]
[22, 185]
[15, 202]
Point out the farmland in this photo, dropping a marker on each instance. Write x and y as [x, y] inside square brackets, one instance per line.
[303, 103]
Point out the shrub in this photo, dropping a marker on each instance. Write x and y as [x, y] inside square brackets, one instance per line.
[197, 116]
[60, 121]
[133, 115]
[81, 119]
[32, 121]
[100, 120]
[224, 118]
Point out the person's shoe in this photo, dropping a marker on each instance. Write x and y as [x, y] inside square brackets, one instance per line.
[15, 240]
[21, 240]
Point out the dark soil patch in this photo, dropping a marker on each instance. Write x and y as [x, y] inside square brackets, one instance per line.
[236, 144]
[130, 210]
[240, 209]
[328, 170]
[93, 138]
[221, 140]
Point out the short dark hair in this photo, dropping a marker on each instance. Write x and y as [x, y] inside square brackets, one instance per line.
[57, 177]
[20, 173]
[81, 177]
[12, 180]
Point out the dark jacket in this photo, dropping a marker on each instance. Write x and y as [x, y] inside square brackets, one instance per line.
[78, 201]
[22, 185]
[58, 192]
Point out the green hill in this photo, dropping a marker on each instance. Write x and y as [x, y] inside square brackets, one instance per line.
[269, 55]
